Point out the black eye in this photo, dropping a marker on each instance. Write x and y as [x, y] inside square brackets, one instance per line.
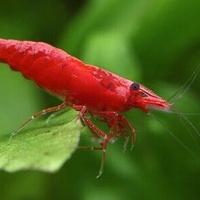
[135, 86]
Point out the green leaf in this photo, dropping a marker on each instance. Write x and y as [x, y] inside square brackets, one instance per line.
[45, 147]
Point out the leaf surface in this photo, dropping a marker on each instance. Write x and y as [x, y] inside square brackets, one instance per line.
[45, 147]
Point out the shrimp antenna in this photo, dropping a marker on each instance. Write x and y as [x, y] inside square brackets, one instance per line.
[183, 117]
[184, 88]
[184, 113]
[174, 136]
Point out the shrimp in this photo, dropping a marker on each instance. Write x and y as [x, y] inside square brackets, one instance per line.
[86, 88]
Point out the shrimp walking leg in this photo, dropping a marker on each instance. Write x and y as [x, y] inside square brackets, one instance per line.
[97, 133]
[118, 125]
[126, 123]
[39, 114]
[82, 115]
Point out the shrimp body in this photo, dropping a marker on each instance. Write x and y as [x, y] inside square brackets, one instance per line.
[86, 88]
[66, 76]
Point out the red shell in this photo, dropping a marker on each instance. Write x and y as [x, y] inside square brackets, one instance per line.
[71, 79]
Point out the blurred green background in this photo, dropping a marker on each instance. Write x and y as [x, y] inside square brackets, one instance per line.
[156, 42]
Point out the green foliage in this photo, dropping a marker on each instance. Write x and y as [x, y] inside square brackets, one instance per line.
[153, 42]
[45, 147]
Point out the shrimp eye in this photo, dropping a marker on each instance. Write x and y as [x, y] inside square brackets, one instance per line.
[135, 86]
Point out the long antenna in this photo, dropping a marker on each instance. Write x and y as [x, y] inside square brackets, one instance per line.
[184, 88]
[174, 136]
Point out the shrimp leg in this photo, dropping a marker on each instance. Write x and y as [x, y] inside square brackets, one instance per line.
[97, 133]
[39, 114]
[118, 125]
